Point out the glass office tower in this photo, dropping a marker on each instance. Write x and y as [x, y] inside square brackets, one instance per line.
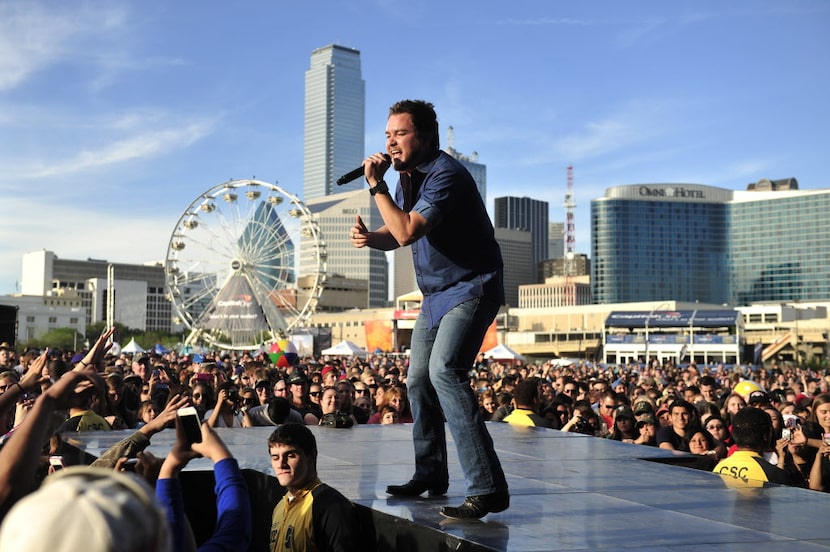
[334, 121]
[689, 242]
[780, 246]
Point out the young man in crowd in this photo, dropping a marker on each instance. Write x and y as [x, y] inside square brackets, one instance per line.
[311, 515]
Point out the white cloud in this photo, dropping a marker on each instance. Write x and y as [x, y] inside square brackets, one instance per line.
[145, 144]
[627, 126]
[34, 35]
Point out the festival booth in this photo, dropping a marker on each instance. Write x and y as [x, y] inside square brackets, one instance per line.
[345, 348]
[503, 353]
[132, 347]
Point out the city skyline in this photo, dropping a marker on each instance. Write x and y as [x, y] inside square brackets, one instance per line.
[115, 115]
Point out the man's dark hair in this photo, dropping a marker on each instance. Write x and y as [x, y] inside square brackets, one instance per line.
[751, 428]
[680, 403]
[278, 409]
[526, 392]
[424, 119]
[508, 379]
[57, 367]
[708, 381]
[609, 394]
[295, 435]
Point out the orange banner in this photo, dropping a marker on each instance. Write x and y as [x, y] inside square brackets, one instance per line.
[379, 335]
[491, 338]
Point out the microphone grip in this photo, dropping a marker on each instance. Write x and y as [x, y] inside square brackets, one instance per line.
[354, 174]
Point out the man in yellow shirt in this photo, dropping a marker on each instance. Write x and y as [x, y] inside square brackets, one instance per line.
[746, 467]
[311, 515]
[526, 398]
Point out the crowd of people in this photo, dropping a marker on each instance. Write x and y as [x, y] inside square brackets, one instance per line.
[128, 499]
[684, 408]
[693, 409]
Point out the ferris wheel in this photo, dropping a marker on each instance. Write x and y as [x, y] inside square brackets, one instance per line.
[232, 268]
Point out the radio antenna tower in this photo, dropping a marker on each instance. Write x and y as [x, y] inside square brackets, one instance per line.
[570, 227]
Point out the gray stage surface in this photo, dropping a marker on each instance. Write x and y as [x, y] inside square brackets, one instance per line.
[568, 492]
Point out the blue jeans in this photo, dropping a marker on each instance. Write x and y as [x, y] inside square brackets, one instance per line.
[439, 387]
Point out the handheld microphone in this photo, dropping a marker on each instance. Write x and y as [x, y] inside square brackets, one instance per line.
[355, 173]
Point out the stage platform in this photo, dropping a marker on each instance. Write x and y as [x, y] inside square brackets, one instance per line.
[568, 492]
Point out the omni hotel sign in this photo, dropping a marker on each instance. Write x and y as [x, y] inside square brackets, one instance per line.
[699, 193]
[673, 192]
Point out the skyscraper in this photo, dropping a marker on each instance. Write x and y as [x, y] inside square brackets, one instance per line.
[556, 240]
[336, 215]
[515, 245]
[335, 96]
[524, 213]
[477, 170]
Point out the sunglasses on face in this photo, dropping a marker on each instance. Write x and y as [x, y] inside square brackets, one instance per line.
[316, 393]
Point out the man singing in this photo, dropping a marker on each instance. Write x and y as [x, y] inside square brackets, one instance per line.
[438, 211]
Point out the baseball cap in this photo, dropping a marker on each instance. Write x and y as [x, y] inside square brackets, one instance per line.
[644, 419]
[326, 370]
[624, 412]
[758, 397]
[643, 407]
[85, 508]
[297, 378]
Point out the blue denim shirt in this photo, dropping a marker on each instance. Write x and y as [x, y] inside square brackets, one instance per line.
[458, 259]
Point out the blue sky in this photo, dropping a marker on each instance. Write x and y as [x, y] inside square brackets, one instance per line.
[115, 115]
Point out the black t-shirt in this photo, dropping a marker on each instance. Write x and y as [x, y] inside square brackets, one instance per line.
[668, 435]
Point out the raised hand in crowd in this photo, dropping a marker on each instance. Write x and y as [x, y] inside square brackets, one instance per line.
[233, 529]
[130, 447]
[19, 457]
[96, 354]
[18, 392]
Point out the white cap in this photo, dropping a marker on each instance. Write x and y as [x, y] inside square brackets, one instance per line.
[89, 509]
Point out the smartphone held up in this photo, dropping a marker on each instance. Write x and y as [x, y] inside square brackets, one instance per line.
[191, 425]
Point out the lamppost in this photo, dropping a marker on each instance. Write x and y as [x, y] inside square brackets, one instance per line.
[648, 318]
[797, 345]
